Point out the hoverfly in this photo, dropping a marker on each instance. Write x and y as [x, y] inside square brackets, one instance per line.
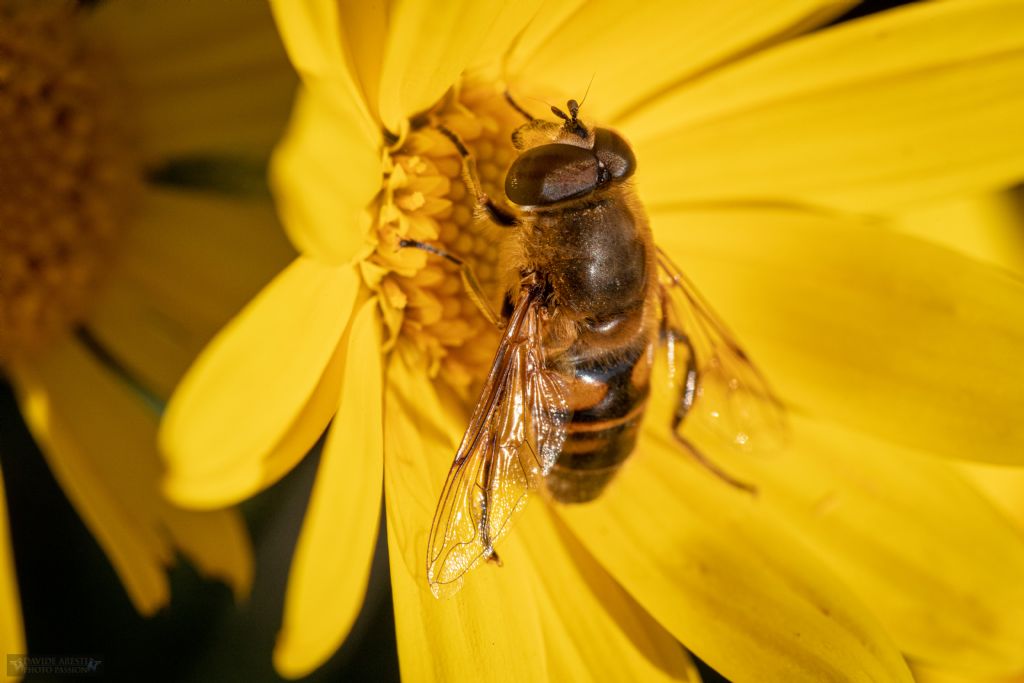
[584, 311]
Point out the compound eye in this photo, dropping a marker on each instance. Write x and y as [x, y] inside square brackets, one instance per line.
[551, 173]
[614, 152]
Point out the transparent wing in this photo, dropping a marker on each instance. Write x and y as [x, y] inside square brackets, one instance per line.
[514, 436]
[719, 385]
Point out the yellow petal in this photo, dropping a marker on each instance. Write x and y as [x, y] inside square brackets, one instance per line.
[331, 564]
[907, 105]
[988, 227]
[609, 636]
[927, 674]
[634, 51]
[193, 485]
[324, 173]
[937, 563]
[153, 317]
[511, 23]
[363, 30]
[12, 635]
[99, 440]
[549, 613]
[253, 384]
[491, 629]
[718, 570]
[873, 329]
[1004, 486]
[430, 44]
[204, 78]
[317, 40]
[215, 541]
[543, 28]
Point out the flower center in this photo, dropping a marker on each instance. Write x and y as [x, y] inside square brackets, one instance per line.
[67, 173]
[426, 199]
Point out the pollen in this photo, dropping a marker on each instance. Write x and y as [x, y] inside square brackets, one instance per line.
[426, 198]
[67, 176]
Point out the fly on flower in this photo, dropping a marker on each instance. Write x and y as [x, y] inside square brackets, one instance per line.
[588, 299]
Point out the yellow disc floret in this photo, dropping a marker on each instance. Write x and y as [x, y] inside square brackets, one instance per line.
[425, 198]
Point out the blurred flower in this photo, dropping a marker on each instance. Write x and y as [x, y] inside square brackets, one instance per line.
[769, 164]
[110, 279]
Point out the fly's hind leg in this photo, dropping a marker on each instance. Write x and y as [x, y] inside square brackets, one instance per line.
[686, 401]
[708, 464]
[499, 216]
[472, 285]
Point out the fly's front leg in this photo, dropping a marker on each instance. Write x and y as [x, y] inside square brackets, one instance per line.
[473, 289]
[498, 215]
[685, 404]
[515, 105]
[495, 213]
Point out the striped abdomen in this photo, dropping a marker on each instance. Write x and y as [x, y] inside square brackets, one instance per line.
[608, 394]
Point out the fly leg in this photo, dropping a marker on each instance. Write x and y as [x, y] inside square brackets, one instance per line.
[495, 213]
[498, 215]
[469, 281]
[515, 105]
[686, 401]
[703, 460]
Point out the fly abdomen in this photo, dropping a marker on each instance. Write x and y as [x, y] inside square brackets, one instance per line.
[608, 395]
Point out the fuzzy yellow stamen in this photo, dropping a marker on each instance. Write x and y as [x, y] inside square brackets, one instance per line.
[67, 174]
[426, 198]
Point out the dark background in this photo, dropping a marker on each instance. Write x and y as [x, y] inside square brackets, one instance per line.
[74, 605]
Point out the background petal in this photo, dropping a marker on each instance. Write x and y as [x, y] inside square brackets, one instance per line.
[634, 51]
[12, 635]
[331, 564]
[720, 572]
[187, 264]
[205, 77]
[99, 439]
[901, 107]
[876, 330]
[255, 383]
[549, 613]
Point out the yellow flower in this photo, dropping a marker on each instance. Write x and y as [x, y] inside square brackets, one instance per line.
[769, 160]
[110, 284]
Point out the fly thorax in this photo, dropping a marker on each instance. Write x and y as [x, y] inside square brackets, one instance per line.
[596, 259]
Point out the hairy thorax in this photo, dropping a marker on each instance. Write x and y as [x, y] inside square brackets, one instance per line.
[597, 264]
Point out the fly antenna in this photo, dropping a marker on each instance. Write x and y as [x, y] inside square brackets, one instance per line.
[587, 91]
[537, 99]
